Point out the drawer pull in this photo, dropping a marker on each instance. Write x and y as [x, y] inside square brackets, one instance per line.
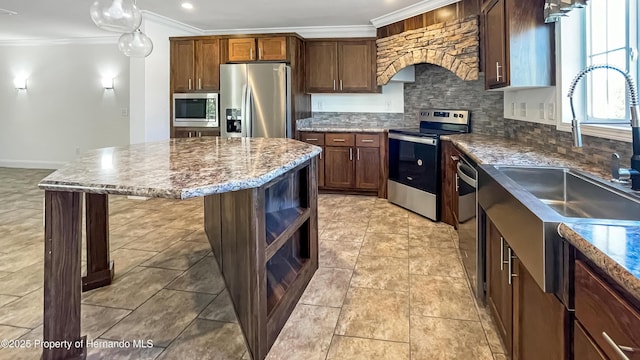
[510, 265]
[502, 262]
[618, 348]
[312, 139]
[338, 140]
[455, 158]
[367, 140]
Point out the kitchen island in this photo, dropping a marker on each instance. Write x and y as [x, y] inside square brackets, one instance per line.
[260, 199]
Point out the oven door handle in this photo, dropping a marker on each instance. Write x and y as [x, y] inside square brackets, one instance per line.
[413, 139]
[466, 178]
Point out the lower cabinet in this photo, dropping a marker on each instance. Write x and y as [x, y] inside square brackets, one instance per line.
[195, 132]
[353, 162]
[449, 171]
[530, 322]
[607, 326]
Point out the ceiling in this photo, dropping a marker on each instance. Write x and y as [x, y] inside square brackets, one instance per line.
[69, 19]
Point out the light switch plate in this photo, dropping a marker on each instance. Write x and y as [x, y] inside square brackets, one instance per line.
[551, 111]
[541, 111]
[523, 109]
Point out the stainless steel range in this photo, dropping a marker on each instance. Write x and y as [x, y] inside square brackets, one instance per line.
[414, 160]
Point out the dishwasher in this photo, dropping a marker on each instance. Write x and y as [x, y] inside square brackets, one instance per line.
[471, 251]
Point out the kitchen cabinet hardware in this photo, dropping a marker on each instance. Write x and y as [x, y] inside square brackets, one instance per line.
[502, 262]
[498, 76]
[312, 139]
[366, 140]
[189, 84]
[338, 140]
[340, 84]
[199, 83]
[455, 158]
[510, 264]
[351, 154]
[358, 154]
[619, 349]
[250, 54]
[334, 84]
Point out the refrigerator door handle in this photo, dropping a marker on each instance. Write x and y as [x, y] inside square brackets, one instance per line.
[248, 119]
[243, 108]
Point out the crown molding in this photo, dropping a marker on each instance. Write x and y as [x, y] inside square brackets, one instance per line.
[308, 32]
[71, 41]
[413, 10]
[160, 19]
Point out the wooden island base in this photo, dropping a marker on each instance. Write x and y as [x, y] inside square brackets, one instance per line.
[265, 240]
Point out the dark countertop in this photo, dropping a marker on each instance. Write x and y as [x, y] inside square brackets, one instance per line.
[614, 246]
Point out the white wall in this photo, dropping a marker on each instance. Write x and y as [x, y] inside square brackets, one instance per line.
[150, 100]
[391, 100]
[65, 109]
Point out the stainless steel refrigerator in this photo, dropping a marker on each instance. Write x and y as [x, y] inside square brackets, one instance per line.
[255, 100]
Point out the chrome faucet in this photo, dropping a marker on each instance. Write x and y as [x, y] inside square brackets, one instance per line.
[616, 172]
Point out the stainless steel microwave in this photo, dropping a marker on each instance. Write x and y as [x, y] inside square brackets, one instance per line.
[195, 110]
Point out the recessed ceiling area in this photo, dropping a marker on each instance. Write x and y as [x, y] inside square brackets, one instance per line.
[68, 19]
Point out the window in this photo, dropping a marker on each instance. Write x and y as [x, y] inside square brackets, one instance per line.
[610, 39]
[605, 32]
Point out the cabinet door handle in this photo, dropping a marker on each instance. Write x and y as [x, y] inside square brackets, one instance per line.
[618, 348]
[320, 155]
[458, 190]
[502, 262]
[312, 139]
[334, 84]
[351, 154]
[498, 76]
[199, 133]
[251, 53]
[189, 84]
[358, 154]
[338, 140]
[366, 140]
[455, 158]
[259, 53]
[510, 260]
[340, 84]
[199, 83]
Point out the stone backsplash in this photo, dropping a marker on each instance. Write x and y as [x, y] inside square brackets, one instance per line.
[437, 87]
[385, 120]
[453, 45]
[595, 150]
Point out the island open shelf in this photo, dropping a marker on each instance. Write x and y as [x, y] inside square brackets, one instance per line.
[265, 240]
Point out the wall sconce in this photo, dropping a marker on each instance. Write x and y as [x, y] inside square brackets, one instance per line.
[107, 83]
[20, 83]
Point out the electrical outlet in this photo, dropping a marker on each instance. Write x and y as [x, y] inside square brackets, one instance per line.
[541, 111]
[551, 111]
[523, 109]
[77, 151]
[388, 104]
[320, 105]
[124, 112]
[513, 109]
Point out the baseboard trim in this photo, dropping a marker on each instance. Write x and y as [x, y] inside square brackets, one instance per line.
[31, 164]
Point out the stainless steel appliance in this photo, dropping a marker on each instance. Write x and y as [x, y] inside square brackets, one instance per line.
[195, 110]
[414, 160]
[471, 251]
[255, 100]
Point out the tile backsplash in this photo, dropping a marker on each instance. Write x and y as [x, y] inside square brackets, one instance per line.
[595, 150]
[436, 87]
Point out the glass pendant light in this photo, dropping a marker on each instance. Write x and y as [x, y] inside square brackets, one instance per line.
[135, 44]
[116, 15]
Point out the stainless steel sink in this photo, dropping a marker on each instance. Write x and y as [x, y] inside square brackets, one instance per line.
[573, 195]
[527, 203]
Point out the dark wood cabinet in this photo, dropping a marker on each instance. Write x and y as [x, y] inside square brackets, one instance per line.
[539, 319]
[583, 346]
[344, 66]
[339, 168]
[519, 48]
[499, 287]
[530, 322]
[316, 139]
[609, 320]
[449, 170]
[195, 65]
[261, 49]
[195, 132]
[350, 162]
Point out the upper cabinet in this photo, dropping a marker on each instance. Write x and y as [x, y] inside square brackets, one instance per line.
[256, 49]
[344, 66]
[519, 47]
[195, 65]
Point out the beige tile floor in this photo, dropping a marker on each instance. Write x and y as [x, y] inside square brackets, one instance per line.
[390, 285]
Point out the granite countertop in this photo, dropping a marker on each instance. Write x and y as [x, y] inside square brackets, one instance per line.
[614, 246]
[345, 127]
[181, 168]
